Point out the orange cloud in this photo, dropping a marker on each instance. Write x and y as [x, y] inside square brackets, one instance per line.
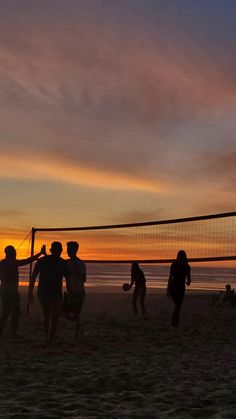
[44, 168]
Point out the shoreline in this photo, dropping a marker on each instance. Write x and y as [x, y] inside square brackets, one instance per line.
[117, 289]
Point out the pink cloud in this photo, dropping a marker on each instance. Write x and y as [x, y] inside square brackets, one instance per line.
[154, 81]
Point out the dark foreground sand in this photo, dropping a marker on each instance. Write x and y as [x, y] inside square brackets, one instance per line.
[123, 368]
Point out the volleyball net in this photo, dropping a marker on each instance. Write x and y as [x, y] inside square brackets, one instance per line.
[204, 238]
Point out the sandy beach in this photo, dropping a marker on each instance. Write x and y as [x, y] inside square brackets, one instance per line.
[121, 367]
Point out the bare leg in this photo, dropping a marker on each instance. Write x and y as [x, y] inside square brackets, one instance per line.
[53, 329]
[44, 302]
[46, 324]
[76, 326]
[78, 304]
[55, 311]
[134, 302]
[178, 300]
[142, 299]
[4, 314]
[15, 313]
[14, 324]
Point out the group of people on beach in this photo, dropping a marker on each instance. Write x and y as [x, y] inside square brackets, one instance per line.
[51, 269]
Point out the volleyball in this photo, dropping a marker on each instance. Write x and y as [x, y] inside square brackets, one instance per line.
[125, 286]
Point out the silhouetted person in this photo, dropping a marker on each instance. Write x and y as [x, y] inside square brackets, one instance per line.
[9, 277]
[139, 281]
[180, 274]
[228, 292]
[51, 270]
[77, 278]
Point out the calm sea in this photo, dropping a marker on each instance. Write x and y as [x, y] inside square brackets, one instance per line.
[114, 275]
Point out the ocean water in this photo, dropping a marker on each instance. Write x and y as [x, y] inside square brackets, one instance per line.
[114, 275]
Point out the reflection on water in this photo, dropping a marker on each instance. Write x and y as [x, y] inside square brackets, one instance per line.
[203, 278]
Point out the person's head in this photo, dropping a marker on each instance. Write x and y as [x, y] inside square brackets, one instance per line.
[181, 256]
[135, 265]
[56, 248]
[72, 248]
[10, 252]
[228, 287]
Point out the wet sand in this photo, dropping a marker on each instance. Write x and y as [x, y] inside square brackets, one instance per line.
[121, 367]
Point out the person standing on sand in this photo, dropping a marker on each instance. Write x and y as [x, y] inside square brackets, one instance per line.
[51, 270]
[77, 278]
[180, 274]
[9, 277]
[139, 281]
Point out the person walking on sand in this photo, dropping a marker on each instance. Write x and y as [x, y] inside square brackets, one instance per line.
[9, 278]
[51, 270]
[77, 278]
[180, 274]
[139, 281]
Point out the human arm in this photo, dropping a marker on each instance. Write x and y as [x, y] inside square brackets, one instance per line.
[32, 280]
[67, 275]
[168, 290]
[132, 279]
[31, 259]
[1, 276]
[68, 283]
[188, 275]
[168, 287]
[84, 273]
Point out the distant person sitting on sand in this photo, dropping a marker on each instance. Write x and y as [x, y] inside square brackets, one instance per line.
[77, 278]
[51, 270]
[180, 274]
[139, 281]
[9, 277]
[229, 292]
[224, 297]
[232, 297]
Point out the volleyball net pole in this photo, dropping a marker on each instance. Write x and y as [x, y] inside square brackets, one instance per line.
[33, 232]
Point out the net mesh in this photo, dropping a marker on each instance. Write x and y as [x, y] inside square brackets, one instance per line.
[203, 238]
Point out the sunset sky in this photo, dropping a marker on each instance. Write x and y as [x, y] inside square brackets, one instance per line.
[115, 111]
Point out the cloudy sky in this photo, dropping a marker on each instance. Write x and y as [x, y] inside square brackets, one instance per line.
[116, 111]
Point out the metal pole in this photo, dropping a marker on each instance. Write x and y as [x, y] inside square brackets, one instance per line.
[33, 231]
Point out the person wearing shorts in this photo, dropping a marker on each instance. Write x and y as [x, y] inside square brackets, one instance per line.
[139, 281]
[9, 277]
[51, 270]
[77, 278]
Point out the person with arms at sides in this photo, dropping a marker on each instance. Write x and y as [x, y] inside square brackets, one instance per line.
[51, 270]
[180, 274]
[9, 277]
[139, 281]
[77, 278]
